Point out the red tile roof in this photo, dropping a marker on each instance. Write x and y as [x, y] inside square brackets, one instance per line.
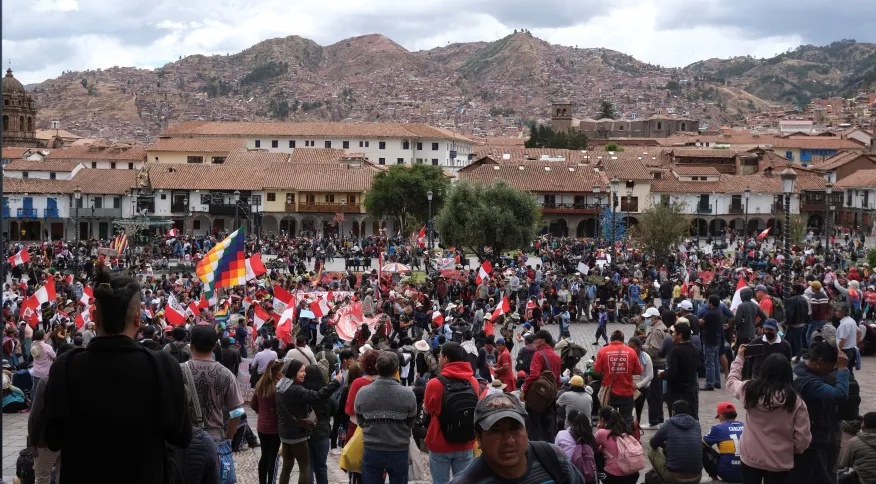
[90, 181]
[859, 179]
[841, 159]
[198, 145]
[329, 130]
[704, 153]
[256, 157]
[757, 183]
[549, 177]
[135, 153]
[46, 165]
[15, 152]
[688, 170]
[817, 143]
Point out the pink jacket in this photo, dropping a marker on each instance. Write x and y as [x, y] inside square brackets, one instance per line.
[771, 437]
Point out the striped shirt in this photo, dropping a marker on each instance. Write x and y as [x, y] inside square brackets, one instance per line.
[478, 472]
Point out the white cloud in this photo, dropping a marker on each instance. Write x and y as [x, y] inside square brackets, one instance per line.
[88, 34]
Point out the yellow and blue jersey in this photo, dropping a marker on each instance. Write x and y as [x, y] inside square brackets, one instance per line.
[726, 435]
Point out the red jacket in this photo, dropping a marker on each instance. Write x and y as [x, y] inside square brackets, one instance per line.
[459, 370]
[538, 365]
[617, 363]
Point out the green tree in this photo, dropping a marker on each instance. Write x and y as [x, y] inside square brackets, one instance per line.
[798, 228]
[541, 136]
[477, 216]
[613, 147]
[660, 229]
[606, 110]
[400, 193]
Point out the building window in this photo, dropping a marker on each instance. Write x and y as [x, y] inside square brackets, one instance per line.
[272, 197]
[361, 144]
[97, 202]
[79, 203]
[683, 127]
[419, 146]
[290, 198]
[53, 176]
[620, 128]
[382, 145]
[194, 159]
[117, 202]
[256, 200]
[329, 199]
[346, 145]
[94, 163]
[366, 144]
[789, 155]
[352, 200]
[258, 143]
[659, 125]
[434, 161]
[406, 145]
[205, 199]
[400, 161]
[381, 161]
[196, 225]
[218, 160]
[291, 143]
[434, 146]
[130, 166]
[164, 196]
[328, 144]
[849, 198]
[25, 174]
[631, 184]
[419, 161]
[113, 165]
[658, 175]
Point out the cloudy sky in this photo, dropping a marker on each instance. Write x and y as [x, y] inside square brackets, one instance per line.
[41, 38]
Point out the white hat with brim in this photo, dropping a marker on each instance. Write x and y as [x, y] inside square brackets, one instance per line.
[421, 345]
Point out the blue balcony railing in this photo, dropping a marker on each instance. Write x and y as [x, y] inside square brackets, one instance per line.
[6, 212]
[27, 213]
[50, 213]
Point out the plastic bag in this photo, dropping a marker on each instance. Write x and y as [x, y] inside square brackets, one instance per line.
[351, 455]
[415, 463]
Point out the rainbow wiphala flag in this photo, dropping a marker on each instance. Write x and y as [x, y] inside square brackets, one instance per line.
[225, 264]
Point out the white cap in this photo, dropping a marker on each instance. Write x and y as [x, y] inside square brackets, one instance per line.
[686, 305]
[652, 313]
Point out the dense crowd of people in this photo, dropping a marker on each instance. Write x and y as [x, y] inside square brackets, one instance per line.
[477, 367]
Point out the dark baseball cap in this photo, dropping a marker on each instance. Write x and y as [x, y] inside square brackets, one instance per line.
[497, 406]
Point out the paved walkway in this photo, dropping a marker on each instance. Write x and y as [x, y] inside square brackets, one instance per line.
[15, 426]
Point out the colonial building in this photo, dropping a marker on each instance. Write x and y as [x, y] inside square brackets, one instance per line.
[660, 126]
[19, 114]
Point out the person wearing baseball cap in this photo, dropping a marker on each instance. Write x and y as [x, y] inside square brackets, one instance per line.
[763, 299]
[652, 346]
[772, 342]
[507, 453]
[724, 464]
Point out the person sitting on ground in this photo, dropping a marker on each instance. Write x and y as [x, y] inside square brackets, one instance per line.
[675, 449]
[724, 464]
[578, 398]
[860, 451]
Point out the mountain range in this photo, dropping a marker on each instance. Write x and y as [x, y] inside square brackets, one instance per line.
[481, 88]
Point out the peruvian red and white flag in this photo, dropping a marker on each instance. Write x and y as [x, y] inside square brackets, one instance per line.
[284, 325]
[174, 316]
[684, 287]
[87, 295]
[69, 279]
[737, 296]
[502, 308]
[320, 307]
[19, 258]
[174, 232]
[437, 318]
[260, 317]
[193, 309]
[30, 311]
[247, 302]
[484, 271]
[203, 303]
[83, 318]
[282, 299]
[254, 267]
[46, 293]
[421, 238]
[763, 234]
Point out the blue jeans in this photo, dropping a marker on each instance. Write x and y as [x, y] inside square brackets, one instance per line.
[713, 365]
[813, 327]
[375, 462]
[440, 464]
[318, 454]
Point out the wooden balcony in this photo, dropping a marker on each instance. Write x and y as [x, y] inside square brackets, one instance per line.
[571, 208]
[328, 207]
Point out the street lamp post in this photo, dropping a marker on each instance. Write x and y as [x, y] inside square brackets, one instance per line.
[429, 228]
[747, 193]
[77, 195]
[627, 219]
[861, 222]
[597, 189]
[828, 215]
[788, 178]
[236, 209]
[341, 222]
[615, 187]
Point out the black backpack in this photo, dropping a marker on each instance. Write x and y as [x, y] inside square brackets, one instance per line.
[457, 410]
[850, 408]
[573, 354]
[177, 352]
[24, 466]
[524, 360]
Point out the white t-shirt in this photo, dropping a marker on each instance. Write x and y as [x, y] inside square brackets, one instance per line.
[847, 330]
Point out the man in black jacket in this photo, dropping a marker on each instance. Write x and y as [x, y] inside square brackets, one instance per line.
[772, 342]
[681, 370]
[797, 317]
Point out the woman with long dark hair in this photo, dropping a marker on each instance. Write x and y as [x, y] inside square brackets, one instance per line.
[319, 441]
[297, 418]
[264, 403]
[776, 420]
[579, 434]
[341, 417]
[613, 426]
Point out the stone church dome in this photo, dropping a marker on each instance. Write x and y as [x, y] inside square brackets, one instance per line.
[11, 84]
